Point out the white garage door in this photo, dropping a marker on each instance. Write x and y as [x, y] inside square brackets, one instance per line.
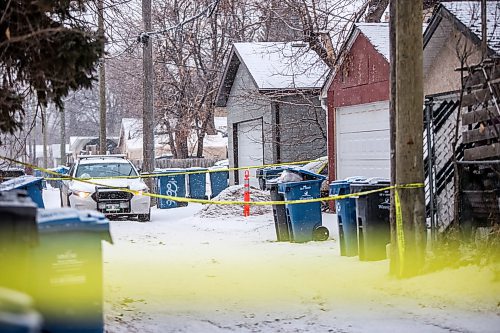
[250, 148]
[363, 143]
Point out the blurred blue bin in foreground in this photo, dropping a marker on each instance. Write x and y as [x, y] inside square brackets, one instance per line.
[17, 314]
[18, 237]
[173, 185]
[346, 216]
[33, 185]
[67, 270]
[197, 182]
[305, 220]
[219, 180]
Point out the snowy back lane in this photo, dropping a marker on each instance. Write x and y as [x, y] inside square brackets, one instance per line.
[184, 273]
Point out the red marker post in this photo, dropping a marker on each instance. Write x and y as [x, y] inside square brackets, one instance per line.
[246, 195]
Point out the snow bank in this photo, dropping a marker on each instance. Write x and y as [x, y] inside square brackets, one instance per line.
[235, 193]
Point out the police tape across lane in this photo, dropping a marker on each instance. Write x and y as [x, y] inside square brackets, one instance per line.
[205, 201]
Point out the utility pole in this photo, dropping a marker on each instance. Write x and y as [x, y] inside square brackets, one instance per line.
[394, 262]
[148, 145]
[63, 137]
[410, 212]
[102, 83]
[44, 136]
[484, 36]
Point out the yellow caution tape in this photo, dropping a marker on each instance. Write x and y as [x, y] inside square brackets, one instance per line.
[399, 231]
[203, 201]
[160, 174]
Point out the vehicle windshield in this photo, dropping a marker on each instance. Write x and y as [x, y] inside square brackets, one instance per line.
[105, 170]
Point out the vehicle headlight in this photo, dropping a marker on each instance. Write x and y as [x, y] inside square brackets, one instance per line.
[82, 194]
[142, 191]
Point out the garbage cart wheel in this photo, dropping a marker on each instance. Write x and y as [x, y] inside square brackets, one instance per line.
[144, 217]
[320, 233]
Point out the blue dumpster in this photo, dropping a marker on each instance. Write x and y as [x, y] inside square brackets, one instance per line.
[197, 182]
[219, 178]
[67, 264]
[172, 185]
[372, 213]
[39, 173]
[18, 236]
[346, 216]
[305, 221]
[62, 171]
[33, 185]
[17, 314]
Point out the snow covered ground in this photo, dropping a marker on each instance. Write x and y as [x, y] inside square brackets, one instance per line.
[184, 273]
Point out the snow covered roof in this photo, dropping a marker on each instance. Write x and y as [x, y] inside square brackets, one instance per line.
[466, 17]
[282, 65]
[274, 66]
[378, 35]
[469, 13]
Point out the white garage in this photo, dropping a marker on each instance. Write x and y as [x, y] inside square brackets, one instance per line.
[363, 140]
[250, 148]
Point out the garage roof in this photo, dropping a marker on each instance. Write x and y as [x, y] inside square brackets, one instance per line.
[378, 35]
[274, 66]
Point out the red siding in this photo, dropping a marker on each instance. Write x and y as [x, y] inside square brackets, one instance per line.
[362, 78]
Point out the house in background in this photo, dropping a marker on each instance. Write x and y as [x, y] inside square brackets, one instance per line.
[130, 141]
[454, 32]
[83, 144]
[270, 91]
[357, 94]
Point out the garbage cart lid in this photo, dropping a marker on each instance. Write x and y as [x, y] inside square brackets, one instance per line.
[18, 182]
[378, 181]
[16, 198]
[169, 170]
[305, 172]
[65, 219]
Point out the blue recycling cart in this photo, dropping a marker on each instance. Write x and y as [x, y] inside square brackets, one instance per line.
[197, 182]
[219, 181]
[33, 185]
[171, 182]
[67, 264]
[346, 216]
[305, 220]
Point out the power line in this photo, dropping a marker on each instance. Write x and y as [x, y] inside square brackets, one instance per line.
[208, 11]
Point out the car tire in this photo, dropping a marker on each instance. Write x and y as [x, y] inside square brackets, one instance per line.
[144, 217]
